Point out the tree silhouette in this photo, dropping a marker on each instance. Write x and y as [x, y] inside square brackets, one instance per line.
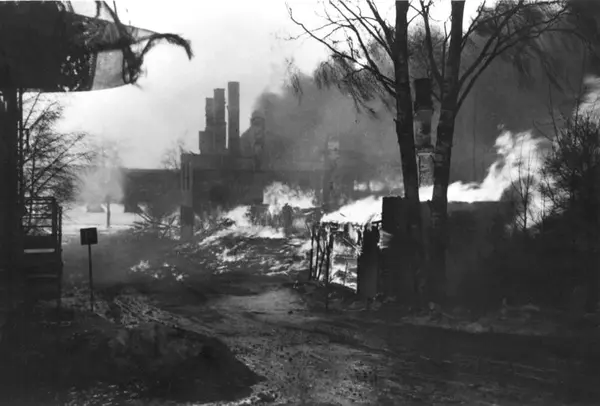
[363, 45]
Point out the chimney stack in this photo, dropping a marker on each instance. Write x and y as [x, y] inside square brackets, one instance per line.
[210, 112]
[207, 137]
[233, 117]
[220, 126]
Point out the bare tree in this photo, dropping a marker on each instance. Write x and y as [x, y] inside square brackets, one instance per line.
[159, 216]
[172, 157]
[361, 42]
[102, 181]
[50, 159]
[358, 67]
[522, 192]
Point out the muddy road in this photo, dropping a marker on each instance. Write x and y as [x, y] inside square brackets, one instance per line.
[279, 345]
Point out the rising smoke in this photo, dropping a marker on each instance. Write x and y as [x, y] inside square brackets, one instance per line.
[279, 194]
[499, 99]
[520, 156]
[299, 126]
[98, 185]
[519, 165]
[591, 100]
[242, 225]
[275, 196]
[102, 181]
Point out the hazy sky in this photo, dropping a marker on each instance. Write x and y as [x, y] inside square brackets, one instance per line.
[233, 40]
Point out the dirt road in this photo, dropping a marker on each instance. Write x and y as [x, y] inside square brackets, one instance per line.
[349, 358]
[242, 291]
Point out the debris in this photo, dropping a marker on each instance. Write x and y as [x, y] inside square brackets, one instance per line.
[475, 328]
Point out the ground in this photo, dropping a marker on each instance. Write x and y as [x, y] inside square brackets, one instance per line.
[230, 320]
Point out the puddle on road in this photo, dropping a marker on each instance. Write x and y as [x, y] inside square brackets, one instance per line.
[271, 302]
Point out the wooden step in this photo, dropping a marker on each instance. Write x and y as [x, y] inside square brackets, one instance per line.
[44, 276]
[42, 263]
[35, 251]
[41, 256]
[46, 270]
[41, 266]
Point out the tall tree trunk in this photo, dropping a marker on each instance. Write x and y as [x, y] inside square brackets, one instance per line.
[405, 133]
[443, 155]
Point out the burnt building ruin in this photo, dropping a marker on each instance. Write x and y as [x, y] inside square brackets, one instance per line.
[231, 169]
[381, 247]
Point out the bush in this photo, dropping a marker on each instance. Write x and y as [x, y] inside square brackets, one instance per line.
[547, 262]
[160, 217]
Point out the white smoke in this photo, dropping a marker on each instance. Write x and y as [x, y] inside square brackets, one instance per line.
[519, 158]
[100, 184]
[358, 212]
[278, 195]
[589, 104]
[243, 226]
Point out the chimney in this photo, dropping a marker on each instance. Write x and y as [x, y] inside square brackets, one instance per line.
[233, 118]
[203, 142]
[220, 126]
[209, 110]
[207, 137]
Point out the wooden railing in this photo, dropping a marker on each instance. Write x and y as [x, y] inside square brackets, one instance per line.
[42, 246]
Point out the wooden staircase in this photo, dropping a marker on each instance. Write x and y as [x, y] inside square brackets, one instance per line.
[42, 264]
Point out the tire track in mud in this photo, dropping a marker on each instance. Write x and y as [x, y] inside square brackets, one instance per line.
[322, 360]
[300, 366]
[328, 360]
[307, 360]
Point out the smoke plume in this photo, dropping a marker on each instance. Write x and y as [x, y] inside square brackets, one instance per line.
[278, 195]
[99, 185]
[299, 126]
[519, 158]
[102, 181]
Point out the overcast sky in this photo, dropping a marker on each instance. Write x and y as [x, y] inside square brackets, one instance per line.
[233, 40]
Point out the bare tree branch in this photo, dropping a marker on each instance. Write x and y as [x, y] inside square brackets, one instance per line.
[52, 160]
[513, 27]
[350, 68]
[429, 42]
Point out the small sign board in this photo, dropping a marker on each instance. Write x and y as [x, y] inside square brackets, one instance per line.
[88, 236]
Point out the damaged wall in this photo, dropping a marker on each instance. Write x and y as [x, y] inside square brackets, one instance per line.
[236, 175]
[231, 188]
[143, 186]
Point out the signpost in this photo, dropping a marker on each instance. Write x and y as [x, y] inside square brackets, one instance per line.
[89, 237]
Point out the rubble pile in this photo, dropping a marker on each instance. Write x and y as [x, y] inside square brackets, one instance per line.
[232, 252]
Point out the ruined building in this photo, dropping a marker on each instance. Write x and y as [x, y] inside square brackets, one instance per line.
[231, 170]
